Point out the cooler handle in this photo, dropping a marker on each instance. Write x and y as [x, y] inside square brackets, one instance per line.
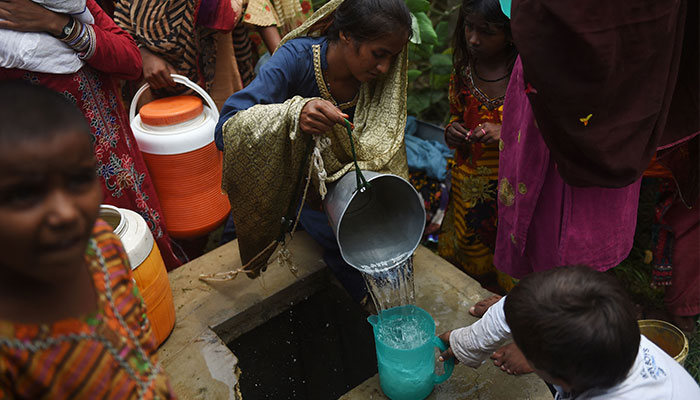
[184, 81]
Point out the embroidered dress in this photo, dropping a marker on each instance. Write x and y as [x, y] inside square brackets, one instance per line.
[675, 233]
[93, 89]
[109, 354]
[468, 233]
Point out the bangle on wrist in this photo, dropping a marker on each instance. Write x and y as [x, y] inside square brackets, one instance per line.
[90, 45]
[77, 34]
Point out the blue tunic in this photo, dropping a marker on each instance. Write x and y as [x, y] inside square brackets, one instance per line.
[288, 73]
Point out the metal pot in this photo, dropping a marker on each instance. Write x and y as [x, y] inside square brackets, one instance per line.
[376, 228]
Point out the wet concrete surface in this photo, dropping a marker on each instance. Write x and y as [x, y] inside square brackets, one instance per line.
[210, 315]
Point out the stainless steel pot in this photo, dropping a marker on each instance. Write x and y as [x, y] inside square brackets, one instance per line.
[379, 227]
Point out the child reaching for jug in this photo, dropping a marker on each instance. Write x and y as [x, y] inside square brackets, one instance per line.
[72, 324]
[578, 331]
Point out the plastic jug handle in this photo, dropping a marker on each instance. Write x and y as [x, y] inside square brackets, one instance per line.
[449, 364]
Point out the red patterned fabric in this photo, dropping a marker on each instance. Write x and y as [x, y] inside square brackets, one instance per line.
[468, 233]
[120, 166]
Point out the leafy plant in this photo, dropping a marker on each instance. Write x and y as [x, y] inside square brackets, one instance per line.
[430, 60]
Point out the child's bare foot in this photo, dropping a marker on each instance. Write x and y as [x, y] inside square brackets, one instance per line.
[480, 308]
[511, 360]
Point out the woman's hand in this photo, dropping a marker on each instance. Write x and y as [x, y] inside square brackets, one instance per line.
[156, 70]
[319, 116]
[27, 16]
[486, 133]
[456, 136]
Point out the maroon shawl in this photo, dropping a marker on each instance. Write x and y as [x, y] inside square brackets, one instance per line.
[601, 76]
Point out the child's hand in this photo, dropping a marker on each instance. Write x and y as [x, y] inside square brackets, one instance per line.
[318, 117]
[447, 354]
[486, 133]
[456, 136]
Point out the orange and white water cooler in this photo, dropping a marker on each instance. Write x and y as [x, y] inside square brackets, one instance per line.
[147, 267]
[176, 137]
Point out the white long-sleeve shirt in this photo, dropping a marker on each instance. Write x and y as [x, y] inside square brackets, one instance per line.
[653, 376]
[39, 51]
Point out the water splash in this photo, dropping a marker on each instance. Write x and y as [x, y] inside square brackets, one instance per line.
[403, 331]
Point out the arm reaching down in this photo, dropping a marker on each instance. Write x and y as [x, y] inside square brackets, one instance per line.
[473, 344]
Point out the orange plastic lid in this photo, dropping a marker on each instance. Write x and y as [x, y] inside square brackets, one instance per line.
[171, 110]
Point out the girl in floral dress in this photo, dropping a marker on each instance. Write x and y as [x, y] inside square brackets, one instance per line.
[483, 58]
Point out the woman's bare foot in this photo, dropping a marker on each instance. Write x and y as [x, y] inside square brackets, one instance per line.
[480, 308]
[511, 360]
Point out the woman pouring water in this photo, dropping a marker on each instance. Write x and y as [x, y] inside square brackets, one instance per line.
[347, 62]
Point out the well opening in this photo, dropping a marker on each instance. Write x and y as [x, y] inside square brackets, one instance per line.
[313, 343]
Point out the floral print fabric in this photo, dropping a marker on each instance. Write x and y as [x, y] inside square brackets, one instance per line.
[468, 233]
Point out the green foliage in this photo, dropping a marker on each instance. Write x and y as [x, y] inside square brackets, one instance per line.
[430, 60]
[418, 5]
[426, 32]
[316, 4]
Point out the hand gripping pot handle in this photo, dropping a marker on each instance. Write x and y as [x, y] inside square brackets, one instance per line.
[184, 81]
[449, 364]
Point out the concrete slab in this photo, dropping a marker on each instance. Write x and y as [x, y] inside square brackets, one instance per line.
[211, 314]
[205, 369]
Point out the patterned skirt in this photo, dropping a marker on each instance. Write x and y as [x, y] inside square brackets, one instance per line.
[468, 235]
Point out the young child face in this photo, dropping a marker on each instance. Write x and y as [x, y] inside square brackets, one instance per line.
[49, 200]
[484, 40]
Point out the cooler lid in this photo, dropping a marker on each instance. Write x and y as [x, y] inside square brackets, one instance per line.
[171, 110]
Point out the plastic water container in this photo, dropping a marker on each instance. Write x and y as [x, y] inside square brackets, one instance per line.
[176, 137]
[405, 339]
[667, 336]
[147, 267]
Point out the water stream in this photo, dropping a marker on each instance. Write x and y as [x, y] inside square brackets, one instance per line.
[390, 287]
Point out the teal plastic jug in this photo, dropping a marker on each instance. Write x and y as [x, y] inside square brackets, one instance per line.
[405, 339]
